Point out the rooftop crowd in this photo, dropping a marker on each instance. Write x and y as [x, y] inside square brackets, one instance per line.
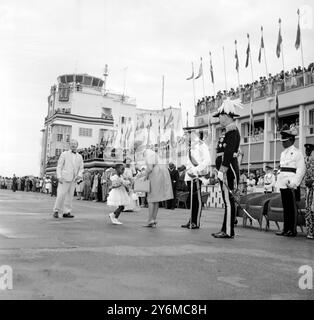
[264, 86]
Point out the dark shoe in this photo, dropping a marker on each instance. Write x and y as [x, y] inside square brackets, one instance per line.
[186, 225]
[281, 233]
[150, 225]
[56, 214]
[291, 234]
[223, 235]
[217, 233]
[68, 215]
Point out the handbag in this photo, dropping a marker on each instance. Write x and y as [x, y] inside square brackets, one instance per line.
[141, 185]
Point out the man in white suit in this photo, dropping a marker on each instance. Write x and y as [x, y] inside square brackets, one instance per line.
[69, 171]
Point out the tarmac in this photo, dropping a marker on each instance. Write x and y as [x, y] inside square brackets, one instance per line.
[89, 258]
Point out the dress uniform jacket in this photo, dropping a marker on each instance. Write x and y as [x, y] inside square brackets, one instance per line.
[227, 158]
[292, 168]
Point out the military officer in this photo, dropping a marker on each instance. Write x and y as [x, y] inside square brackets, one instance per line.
[197, 167]
[227, 165]
[269, 180]
[292, 169]
[309, 183]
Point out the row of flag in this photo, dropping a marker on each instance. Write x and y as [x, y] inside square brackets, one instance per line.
[248, 51]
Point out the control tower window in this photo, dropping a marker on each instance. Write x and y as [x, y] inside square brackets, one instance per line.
[79, 79]
[95, 82]
[87, 80]
[70, 78]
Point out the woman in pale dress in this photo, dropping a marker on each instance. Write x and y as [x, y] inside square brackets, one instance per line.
[160, 185]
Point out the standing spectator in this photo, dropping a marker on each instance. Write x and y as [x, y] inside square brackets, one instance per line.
[182, 186]
[87, 178]
[243, 183]
[251, 182]
[54, 185]
[309, 183]
[19, 183]
[174, 176]
[269, 180]
[14, 183]
[95, 186]
[105, 182]
[47, 185]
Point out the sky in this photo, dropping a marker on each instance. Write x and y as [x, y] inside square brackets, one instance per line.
[141, 41]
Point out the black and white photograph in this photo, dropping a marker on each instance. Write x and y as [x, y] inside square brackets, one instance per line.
[158, 151]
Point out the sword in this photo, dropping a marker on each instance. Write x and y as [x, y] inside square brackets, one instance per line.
[237, 202]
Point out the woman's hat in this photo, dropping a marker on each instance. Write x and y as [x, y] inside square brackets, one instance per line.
[309, 146]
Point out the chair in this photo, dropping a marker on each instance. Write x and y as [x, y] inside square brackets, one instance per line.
[182, 197]
[301, 213]
[205, 196]
[274, 212]
[257, 207]
[244, 204]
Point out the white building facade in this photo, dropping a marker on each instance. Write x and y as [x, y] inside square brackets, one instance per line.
[78, 108]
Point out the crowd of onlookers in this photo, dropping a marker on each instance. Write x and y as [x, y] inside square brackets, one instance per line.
[46, 184]
[264, 86]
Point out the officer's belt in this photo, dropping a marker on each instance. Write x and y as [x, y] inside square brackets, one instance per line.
[220, 154]
[285, 169]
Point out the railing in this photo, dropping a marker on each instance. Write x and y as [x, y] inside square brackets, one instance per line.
[260, 91]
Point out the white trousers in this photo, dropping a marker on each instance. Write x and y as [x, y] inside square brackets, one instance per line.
[65, 193]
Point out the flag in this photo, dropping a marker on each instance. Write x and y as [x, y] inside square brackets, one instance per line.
[298, 39]
[248, 50]
[200, 72]
[279, 42]
[276, 111]
[192, 76]
[211, 68]
[261, 47]
[236, 57]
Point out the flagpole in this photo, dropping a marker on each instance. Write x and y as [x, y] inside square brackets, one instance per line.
[301, 47]
[203, 77]
[251, 107]
[282, 57]
[193, 85]
[163, 92]
[235, 42]
[212, 71]
[223, 49]
[249, 149]
[264, 53]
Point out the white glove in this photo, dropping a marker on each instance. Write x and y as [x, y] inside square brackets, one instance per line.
[220, 176]
[291, 185]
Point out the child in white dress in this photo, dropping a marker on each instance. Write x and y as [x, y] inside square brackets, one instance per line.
[118, 196]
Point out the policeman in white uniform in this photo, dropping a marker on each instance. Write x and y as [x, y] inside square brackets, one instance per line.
[269, 180]
[292, 170]
[197, 167]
